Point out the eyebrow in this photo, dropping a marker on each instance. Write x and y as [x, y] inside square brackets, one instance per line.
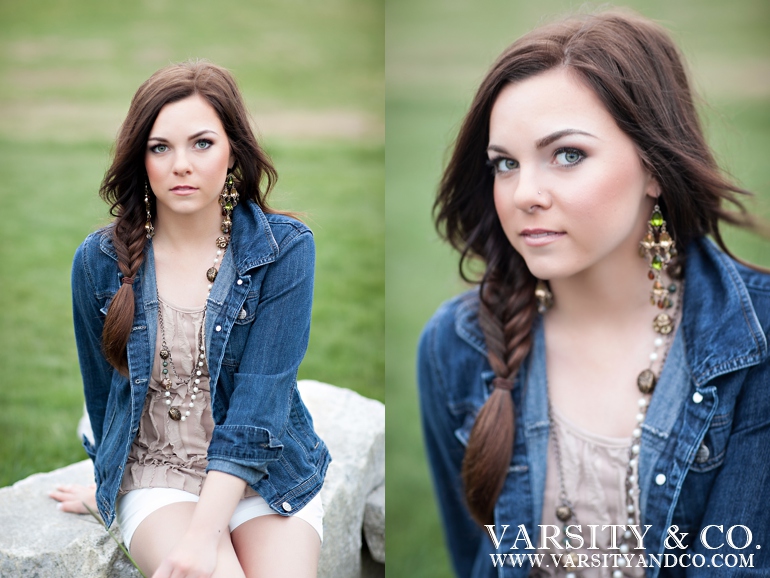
[545, 141]
[554, 136]
[192, 137]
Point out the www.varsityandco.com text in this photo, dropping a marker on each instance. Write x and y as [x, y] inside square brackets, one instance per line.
[728, 547]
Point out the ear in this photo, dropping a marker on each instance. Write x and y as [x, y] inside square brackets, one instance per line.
[653, 187]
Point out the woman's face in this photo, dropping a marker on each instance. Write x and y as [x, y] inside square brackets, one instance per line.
[570, 189]
[187, 157]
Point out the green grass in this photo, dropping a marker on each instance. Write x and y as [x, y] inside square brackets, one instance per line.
[312, 75]
[437, 53]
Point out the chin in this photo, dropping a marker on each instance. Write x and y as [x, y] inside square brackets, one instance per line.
[547, 268]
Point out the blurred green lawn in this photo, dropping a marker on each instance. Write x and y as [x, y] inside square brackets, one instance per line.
[437, 52]
[313, 77]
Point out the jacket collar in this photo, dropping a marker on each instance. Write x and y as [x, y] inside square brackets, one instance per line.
[252, 242]
[721, 329]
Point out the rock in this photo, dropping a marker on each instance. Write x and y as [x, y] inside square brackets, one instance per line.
[374, 523]
[38, 541]
[354, 429]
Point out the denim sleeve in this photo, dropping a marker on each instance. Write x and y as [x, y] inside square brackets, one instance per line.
[88, 323]
[266, 379]
[445, 452]
[740, 494]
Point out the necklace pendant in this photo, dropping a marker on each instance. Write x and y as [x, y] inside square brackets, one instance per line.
[663, 324]
[166, 383]
[646, 381]
[175, 414]
[222, 242]
[164, 354]
[563, 512]
[211, 274]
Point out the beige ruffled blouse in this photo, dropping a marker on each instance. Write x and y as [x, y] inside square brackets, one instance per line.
[168, 453]
[594, 476]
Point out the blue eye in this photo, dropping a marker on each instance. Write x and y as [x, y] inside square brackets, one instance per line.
[158, 148]
[569, 156]
[203, 144]
[502, 165]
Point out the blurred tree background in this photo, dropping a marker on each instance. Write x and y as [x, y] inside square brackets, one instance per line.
[312, 74]
[437, 53]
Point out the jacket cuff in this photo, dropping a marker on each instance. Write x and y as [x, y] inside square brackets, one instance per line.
[250, 475]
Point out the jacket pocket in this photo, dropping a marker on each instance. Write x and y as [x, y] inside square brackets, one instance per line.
[711, 452]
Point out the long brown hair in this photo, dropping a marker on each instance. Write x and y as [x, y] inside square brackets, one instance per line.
[124, 182]
[637, 72]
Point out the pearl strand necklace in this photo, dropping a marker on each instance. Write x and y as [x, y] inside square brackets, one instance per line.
[663, 325]
[175, 413]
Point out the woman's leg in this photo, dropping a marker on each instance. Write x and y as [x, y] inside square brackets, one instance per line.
[159, 532]
[275, 545]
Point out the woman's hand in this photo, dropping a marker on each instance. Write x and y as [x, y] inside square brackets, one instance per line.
[74, 498]
[193, 557]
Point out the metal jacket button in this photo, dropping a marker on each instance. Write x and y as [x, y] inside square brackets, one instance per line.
[697, 397]
[242, 314]
[218, 328]
[660, 479]
[703, 454]
[240, 281]
[286, 507]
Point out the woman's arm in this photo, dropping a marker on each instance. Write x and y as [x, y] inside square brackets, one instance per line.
[266, 376]
[196, 553]
[444, 450]
[88, 324]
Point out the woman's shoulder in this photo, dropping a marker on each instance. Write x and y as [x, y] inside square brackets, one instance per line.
[96, 246]
[267, 231]
[714, 271]
[454, 329]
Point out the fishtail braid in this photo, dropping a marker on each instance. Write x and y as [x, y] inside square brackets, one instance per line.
[506, 314]
[129, 240]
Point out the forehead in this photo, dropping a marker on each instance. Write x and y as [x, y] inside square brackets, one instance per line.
[548, 102]
[191, 113]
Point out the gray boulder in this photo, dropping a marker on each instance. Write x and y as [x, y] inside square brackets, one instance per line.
[39, 541]
[374, 524]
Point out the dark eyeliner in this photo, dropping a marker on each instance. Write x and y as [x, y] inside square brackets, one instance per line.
[561, 150]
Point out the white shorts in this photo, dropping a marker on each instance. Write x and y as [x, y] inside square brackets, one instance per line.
[132, 508]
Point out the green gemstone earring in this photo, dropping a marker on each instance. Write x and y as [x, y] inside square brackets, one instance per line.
[228, 198]
[658, 247]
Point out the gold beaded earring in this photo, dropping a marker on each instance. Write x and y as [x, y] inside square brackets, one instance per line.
[658, 247]
[149, 229]
[543, 296]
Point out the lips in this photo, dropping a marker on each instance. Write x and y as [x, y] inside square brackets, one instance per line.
[184, 188]
[538, 237]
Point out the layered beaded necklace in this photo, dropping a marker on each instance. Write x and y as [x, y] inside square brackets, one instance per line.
[658, 247]
[192, 382]
[228, 199]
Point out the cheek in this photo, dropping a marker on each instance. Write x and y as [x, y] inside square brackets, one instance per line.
[503, 205]
[506, 213]
[153, 167]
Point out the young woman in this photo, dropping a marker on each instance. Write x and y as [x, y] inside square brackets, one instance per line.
[603, 397]
[192, 315]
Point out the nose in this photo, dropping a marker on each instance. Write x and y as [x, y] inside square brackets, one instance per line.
[182, 165]
[528, 195]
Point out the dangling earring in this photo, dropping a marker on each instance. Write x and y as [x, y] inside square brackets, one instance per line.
[658, 248]
[228, 198]
[544, 296]
[149, 229]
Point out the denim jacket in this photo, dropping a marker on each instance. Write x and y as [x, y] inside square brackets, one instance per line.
[257, 328]
[705, 448]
